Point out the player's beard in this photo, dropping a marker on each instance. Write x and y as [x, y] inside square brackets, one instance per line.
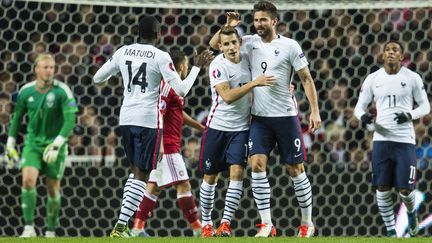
[264, 32]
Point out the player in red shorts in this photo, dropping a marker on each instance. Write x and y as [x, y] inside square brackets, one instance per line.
[171, 170]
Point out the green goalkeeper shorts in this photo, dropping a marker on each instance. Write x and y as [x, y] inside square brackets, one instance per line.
[33, 154]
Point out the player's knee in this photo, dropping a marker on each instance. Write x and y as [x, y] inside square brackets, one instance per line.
[53, 191]
[258, 163]
[153, 189]
[28, 182]
[183, 187]
[140, 174]
[210, 179]
[236, 172]
[295, 170]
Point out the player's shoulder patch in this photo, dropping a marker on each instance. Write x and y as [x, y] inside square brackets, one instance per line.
[216, 73]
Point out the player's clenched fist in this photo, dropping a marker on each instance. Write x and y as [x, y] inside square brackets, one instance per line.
[52, 150]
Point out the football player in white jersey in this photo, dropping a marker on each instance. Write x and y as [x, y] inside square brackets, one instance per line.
[142, 67]
[394, 89]
[274, 113]
[224, 143]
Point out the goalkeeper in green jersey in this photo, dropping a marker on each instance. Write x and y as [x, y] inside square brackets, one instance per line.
[51, 111]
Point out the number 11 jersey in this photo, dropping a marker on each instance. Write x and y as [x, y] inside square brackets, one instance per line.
[142, 67]
[392, 94]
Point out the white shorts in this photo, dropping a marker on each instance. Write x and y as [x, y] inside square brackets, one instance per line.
[171, 170]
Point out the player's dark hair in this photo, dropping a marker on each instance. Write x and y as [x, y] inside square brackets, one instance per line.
[228, 30]
[396, 42]
[149, 27]
[266, 7]
[178, 57]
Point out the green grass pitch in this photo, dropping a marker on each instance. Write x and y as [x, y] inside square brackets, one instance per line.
[218, 240]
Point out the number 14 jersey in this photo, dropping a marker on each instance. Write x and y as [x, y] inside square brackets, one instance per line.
[142, 67]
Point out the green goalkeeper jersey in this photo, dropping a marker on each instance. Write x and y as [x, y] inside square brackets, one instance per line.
[49, 114]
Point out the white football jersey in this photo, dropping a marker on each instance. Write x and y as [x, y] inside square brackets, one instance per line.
[142, 67]
[392, 94]
[234, 116]
[281, 57]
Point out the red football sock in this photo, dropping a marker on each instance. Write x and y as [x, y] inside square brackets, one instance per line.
[144, 212]
[190, 211]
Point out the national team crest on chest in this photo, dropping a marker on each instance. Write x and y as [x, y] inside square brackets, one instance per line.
[403, 84]
[50, 100]
[277, 51]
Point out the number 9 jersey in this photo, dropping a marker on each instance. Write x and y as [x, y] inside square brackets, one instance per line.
[142, 67]
[280, 57]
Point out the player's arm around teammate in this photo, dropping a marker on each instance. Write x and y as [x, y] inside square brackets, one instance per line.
[274, 114]
[224, 143]
[51, 109]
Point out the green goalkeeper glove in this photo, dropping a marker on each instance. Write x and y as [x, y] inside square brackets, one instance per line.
[52, 150]
[12, 155]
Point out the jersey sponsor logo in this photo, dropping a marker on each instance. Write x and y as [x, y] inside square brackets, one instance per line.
[30, 99]
[255, 48]
[377, 86]
[403, 84]
[50, 100]
[110, 58]
[216, 73]
[171, 67]
[301, 55]
[231, 76]
[297, 155]
[277, 51]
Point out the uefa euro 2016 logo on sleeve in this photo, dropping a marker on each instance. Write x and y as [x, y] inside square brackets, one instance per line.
[50, 100]
[216, 74]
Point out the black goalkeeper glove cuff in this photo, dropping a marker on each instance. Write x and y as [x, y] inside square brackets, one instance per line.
[402, 117]
[366, 118]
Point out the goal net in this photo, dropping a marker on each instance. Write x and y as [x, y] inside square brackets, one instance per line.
[342, 41]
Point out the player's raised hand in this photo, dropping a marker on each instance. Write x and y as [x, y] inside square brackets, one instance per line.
[203, 58]
[233, 19]
[314, 121]
[51, 151]
[263, 80]
[11, 155]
